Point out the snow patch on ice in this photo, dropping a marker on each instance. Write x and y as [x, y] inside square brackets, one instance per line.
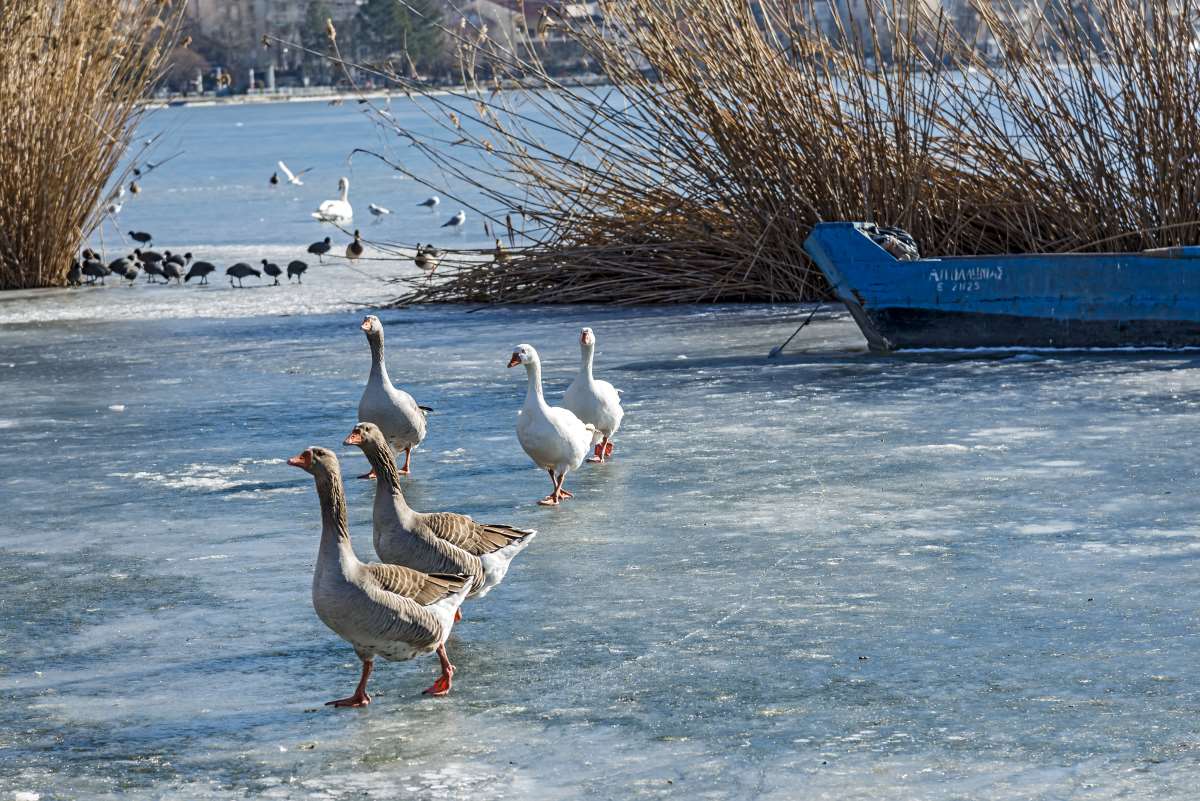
[1048, 527]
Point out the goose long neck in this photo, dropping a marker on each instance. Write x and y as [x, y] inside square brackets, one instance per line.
[387, 473]
[378, 368]
[585, 367]
[335, 533]
[533, 395]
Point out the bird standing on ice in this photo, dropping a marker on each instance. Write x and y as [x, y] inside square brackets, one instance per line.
[336, 211]
[430, 202]
[457, 221]
[555, 439]
[378, 211]
[389, 610]
[593, 401]
[355, 248]
[398, 416]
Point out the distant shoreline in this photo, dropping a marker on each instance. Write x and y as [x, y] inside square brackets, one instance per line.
[315, 94]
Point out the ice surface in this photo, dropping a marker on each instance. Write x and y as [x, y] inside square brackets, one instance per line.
[828, 576]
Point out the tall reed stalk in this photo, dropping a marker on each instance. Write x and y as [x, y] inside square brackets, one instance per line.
[73, 74]
[730, 128]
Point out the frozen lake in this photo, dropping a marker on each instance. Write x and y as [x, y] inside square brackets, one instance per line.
[829, 576]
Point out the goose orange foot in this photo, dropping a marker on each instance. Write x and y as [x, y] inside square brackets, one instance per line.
[549, 500]
[358, 699]
[368, 475]
[442, 685]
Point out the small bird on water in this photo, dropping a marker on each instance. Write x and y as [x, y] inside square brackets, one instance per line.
[457, 221]
[141, 236]
[296, 268]
[274, 179]
[355, 248]
[272, 270]
[378, 211]
[430, 202]
[319, 249]
[241, 270]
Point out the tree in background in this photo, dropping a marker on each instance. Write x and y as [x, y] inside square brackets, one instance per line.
[314, 37]
[387, 29]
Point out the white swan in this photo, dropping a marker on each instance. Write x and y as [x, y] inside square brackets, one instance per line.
[595, 402]
[393, 410]
[336, 211]
[555, 439]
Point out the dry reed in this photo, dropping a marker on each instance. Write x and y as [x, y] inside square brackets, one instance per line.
[72, 75]
[730, 128]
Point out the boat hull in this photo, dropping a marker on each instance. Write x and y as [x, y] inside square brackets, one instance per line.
[1072, 301]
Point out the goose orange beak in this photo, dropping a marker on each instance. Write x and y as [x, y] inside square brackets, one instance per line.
[514, 361]
[355, 438]
[303, 461]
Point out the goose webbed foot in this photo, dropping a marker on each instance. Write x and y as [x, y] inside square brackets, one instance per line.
[368, 475]
[442, 685]
[549, 500]
[360, 697]
[354, 700]
[565, 493]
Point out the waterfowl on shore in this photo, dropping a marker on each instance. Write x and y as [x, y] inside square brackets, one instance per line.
[151, 263]
[385, 610]
[201, 270]
[296, 268]
[272, 269]
[319, 249]
[555, 439]
[427, 258]
[182, 261]
[141, 236]
[120, 266]
[398, 416]
[457, 221]
[239, 271]
[95, 270]
[336, 211]
[355, 248]
[594, 401]
[430, 202]
[442, 542]
[171, 269]
[75, 273]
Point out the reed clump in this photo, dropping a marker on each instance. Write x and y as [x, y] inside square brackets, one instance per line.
[728, 129]
[73, 74]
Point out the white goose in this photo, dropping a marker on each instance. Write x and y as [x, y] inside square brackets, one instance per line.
[336, 211]
[389, 610]
[555, 439]
[398, 416]
[595, 402]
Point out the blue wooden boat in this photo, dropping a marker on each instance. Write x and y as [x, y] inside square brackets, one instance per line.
[1149, 299]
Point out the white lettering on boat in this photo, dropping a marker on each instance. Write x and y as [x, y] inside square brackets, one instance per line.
[965, 279]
